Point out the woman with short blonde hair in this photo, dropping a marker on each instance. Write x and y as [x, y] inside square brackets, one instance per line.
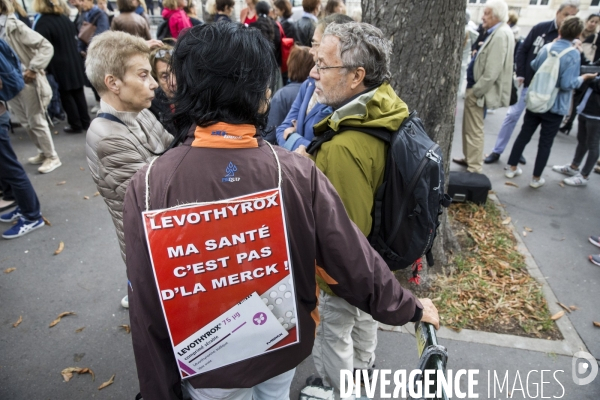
[125, 136]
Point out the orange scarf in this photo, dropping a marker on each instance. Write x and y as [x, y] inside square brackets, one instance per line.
[225, 136]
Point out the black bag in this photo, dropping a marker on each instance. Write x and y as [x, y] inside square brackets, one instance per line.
[163, 31]
[514, 95]
[466, 186]
[409, 201]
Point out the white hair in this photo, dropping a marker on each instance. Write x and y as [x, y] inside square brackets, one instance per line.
[569, 3]
[499, 9]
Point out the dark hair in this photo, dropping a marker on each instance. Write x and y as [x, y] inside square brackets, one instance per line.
[592, 16]
[223, 72]
[331, 5]
[285, 6]
[223, 4]
[310, 5]
[263, 23]
[299, 63]
[571, 28]
[125, 6]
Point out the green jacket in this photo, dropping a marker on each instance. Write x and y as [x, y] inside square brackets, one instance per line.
[354, 161]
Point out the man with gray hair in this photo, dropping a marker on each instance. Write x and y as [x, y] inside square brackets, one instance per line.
[489, 81]
[352, 75]
[540, 35]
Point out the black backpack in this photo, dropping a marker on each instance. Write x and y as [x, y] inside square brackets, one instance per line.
[409, 201]
[163, 31]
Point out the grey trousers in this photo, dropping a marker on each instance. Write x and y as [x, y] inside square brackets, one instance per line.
[588, 141]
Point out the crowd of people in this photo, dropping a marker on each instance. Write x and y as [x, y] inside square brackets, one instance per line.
[496, 63]
[213, 91]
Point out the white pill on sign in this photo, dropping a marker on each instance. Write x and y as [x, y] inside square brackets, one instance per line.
[273, 294]
[280, 320]
[289, 314]
[285, 326]
[279, 301]
[293, 320]
[271, 306]
[265, 300]
[282, 288]
[288, 295]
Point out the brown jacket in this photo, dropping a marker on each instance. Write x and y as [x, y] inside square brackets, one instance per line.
[131, 23]
[318, 228]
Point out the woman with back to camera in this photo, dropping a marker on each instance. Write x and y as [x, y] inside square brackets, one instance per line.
[129, 21]
[335, 7]
[65, 66]
[178, 19]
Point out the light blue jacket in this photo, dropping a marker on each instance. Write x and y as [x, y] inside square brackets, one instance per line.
[305, 121]
[568, 75]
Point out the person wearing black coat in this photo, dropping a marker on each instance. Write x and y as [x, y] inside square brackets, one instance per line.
[66, 65]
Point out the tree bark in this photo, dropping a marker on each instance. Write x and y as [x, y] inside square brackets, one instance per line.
[427, 38]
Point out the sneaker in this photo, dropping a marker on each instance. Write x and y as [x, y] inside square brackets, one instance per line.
[95, 109]
[595, 240]
[49, 165]
[565, 170]
[37, 159]
[11, 215]
[125, 302]
[595, 258]
[537, 184]
[511, 174]
[577, 180]
[23, 227]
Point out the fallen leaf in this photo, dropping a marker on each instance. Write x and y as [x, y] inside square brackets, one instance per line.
[56, 132]
[88, 371]
[67, 373]
[80, 329]
[558, 315]
[18, 321]
[108, 382]
[126, 327]
[511, 184]
[524, 233]
[503, 264]
[561, 184]
[507, 221]
[61, 247]
[86, 197]
[574, 308]
[567, 309]
[9, 270]
[61, 183]
[597, 324]
[81, 168]
[57, 320]
[528, 229]
[96, 194]
[46, 221]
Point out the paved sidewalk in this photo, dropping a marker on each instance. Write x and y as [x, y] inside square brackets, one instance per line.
[88, 277]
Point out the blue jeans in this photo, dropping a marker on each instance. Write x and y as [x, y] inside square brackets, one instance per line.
[509, 123]
[13, 174]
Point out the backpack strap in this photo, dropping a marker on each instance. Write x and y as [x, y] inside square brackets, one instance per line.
[380, 133]
[565, 51]
[281, 31]
[112, 118]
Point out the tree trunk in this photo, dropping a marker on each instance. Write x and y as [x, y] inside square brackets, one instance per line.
[427, 37]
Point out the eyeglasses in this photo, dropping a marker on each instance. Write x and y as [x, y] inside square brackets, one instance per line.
[319, 68]
[162, 53]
